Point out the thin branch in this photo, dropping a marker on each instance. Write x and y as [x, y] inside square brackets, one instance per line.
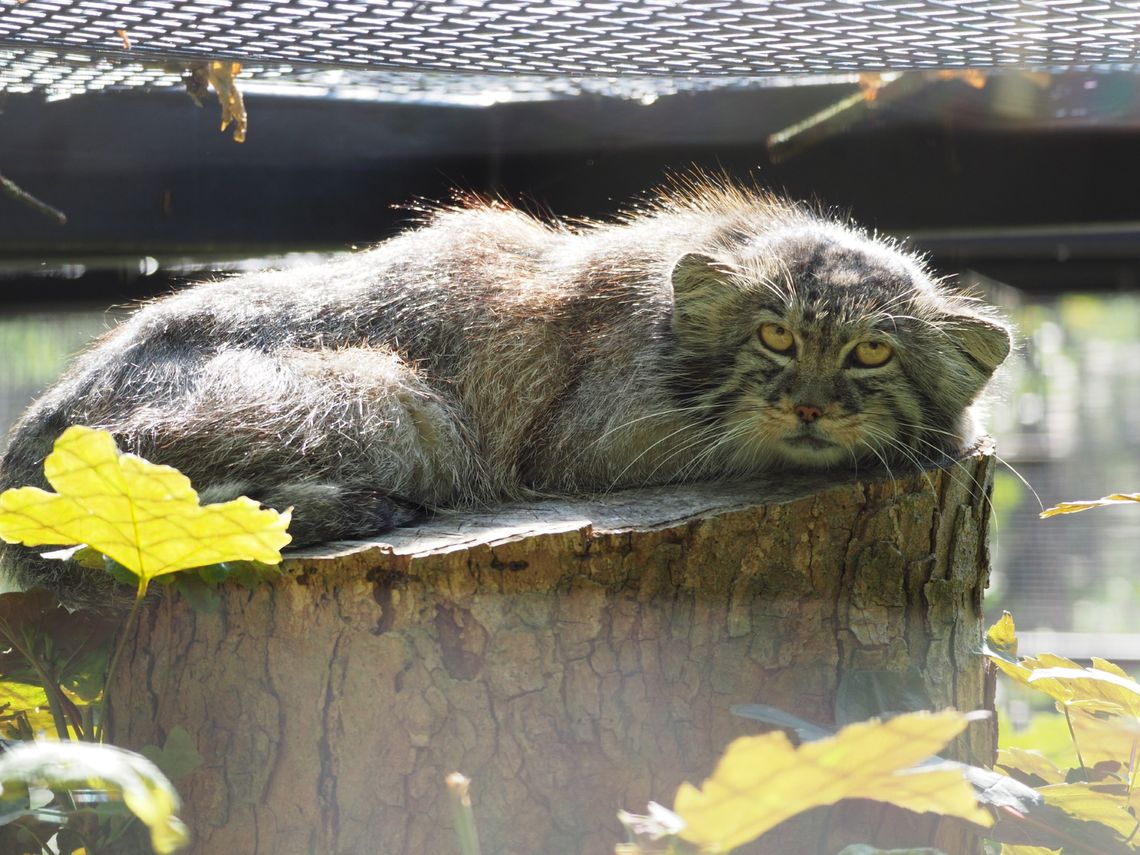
[12, 189]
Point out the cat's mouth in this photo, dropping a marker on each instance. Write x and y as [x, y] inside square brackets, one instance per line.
[807, 440]
[806, 447]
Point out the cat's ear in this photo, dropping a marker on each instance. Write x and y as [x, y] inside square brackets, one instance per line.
[984, 340]
[696, 275]
[704, 302]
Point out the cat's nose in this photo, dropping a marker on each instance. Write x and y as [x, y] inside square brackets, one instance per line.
[808, 413]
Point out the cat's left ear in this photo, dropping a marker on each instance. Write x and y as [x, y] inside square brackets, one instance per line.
[984, 340]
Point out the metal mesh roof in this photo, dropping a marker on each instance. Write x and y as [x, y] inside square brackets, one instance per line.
[572, 37]
[60, 73]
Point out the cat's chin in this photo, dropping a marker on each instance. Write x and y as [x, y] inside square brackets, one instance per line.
[802, 451]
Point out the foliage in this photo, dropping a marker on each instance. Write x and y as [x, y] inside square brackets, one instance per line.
[1075, 507]
[140, 522]
[121, 775]
[144, 516]
[763, 780]
[221, 75]
[1101, 708]
[52, 654]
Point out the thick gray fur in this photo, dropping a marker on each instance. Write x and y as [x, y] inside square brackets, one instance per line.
[488, 355]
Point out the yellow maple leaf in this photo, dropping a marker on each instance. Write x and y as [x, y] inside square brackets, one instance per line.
[763, 780]
[1091, 689]
[146, 517]
[1076, 507]
[1107, 805]
[1002, 636]
[1103, 739]
[1029, 762]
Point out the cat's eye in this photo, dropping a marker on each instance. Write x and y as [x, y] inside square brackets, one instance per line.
[777, 338]
[871, 354]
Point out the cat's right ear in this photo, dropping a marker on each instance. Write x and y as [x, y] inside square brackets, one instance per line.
[696, 276]
[704, 302]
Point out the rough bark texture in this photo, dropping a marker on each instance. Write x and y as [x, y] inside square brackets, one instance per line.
[573, 658]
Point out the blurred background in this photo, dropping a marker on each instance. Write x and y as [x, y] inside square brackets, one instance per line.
[1021, 179]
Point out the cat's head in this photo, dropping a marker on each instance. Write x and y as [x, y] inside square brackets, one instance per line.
[811, 345]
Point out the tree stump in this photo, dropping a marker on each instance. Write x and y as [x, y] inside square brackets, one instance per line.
[571, 657]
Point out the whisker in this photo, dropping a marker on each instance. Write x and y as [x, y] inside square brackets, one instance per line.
[617, 478]
[664, 413]
[996, 456]
[941, 461]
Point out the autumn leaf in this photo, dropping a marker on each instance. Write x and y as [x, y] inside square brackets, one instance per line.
[144, 516]
[1076, 507]
[1094, 803]
[221, 75]
[1002, 636]
[75, 765]
[1106, 739]
[1094, 689]
[1001, 648]
[1029, 764]
[763, 780]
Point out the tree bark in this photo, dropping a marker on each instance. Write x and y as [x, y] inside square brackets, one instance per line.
[572, 658]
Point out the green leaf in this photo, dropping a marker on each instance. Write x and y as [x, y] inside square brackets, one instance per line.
[200, 595]
[20, 697]
[178, 758]
[64, 653]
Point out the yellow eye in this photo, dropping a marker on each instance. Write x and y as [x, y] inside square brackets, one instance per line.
[777, 338]
[871, 354]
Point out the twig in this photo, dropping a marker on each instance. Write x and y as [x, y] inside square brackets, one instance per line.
[842, 115]
[11, 188]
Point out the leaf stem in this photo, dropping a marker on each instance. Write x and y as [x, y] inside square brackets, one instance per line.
[1073, 736]
[124, 634]
[56, 708]
[458, 787]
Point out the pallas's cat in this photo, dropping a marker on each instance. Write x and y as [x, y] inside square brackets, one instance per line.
[712, 333]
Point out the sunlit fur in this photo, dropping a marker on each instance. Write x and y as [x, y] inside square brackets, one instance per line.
[488, 355]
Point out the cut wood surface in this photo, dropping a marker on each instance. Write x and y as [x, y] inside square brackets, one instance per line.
[571, 657]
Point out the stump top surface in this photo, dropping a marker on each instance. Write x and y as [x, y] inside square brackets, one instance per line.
[637, 509]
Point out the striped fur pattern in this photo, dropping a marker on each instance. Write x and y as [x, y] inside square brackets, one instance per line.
[489, 355]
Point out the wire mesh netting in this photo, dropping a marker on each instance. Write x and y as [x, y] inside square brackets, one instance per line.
[556, 37]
